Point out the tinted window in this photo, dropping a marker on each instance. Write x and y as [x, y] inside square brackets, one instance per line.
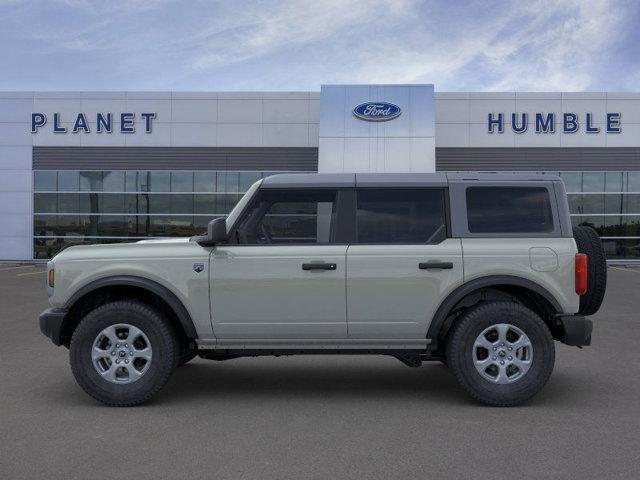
[509, 210]
[289, 217]
[401, 216]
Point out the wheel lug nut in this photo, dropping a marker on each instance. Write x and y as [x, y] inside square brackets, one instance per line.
[510, 348]
[502, 344]
[495, 348]
[131, 353]
[126, 361]
[118, 361]
[113, 352]
[501, 362]
[510, 357]
[495, 358]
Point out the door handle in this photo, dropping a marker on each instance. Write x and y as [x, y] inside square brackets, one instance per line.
[319, 266]
[434, 265]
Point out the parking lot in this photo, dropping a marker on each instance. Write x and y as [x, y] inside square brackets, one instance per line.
[333, 417]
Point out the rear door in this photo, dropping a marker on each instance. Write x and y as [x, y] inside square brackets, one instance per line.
[401, 264]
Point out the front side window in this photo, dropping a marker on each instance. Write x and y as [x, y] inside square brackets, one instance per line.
[509, 210]
[289, 217]
[401, 216]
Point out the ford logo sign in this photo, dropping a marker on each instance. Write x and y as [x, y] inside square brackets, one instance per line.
[377, 111]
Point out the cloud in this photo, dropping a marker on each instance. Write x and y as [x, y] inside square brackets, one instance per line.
[299, 44]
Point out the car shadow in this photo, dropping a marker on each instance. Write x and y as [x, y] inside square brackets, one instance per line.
[311, 379]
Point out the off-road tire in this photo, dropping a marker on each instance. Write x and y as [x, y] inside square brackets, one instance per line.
[163, 341]
[460, 346]
[590, 244]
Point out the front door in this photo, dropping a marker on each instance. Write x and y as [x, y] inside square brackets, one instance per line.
[282, 275]
[401, 264]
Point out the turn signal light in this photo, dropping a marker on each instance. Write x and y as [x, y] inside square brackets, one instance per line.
[52, 278]
[582, 275]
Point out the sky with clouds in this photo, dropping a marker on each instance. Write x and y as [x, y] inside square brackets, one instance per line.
[535, 45]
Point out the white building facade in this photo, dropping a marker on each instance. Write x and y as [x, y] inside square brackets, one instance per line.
[95, 167]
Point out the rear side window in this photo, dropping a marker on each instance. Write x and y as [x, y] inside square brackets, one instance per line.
[401, 216]
[509, 210]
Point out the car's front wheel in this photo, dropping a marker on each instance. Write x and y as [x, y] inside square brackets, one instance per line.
[502, 353]
[122, 353]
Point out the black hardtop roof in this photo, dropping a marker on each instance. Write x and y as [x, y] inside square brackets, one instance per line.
[345, 180]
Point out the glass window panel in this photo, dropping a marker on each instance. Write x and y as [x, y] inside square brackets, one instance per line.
[90, 224]
[592, 204]
[400, 216]
[182, 181]
[509, 210]
[45, 180]
[593, 181]
[613, 181]
[134, 180]
[281, 217]
[158, 203]
[159, 182]
[45, 203]
[572, 181]
[112, 203]
[68, 181]
[614, 203]
[221, 179]
[575, 203]
[232, 182]
[113, 181]
[622, 248]
[631, 203]
[113, 226]
[181, 204]
[204, 181]
[633, 181]
[247, 179]
[68, 203]
[45, 225]
[204, 204]
[89, 203]
[44, 248]
[91, 181]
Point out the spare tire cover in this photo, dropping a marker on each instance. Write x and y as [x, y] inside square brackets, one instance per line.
[589, 243]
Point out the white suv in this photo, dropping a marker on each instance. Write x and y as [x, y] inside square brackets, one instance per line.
[480, 271]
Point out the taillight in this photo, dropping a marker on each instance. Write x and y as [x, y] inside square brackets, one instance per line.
[582, 276]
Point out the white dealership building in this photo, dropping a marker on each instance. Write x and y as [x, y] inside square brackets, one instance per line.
[95, 167]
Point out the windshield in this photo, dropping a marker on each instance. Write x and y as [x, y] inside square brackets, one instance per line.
[235, 213]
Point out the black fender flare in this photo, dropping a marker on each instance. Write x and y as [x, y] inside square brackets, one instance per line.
[150, 285]
[490, 281]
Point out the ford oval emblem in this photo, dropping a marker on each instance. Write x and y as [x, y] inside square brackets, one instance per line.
[377, 111]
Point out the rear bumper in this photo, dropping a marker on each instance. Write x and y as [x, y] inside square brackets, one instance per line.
[51, 321]
[576, 330]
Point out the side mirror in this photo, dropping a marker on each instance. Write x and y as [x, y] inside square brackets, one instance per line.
[217, 230]
[216, 233]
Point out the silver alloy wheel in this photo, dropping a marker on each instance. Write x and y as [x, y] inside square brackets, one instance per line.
[502, 353]
[121, 353]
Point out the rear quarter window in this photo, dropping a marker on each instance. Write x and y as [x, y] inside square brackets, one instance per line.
[509, 210]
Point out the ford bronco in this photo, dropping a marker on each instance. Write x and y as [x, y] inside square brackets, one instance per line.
[481, 271]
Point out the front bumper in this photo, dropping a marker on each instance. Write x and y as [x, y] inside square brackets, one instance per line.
[51, 321]
[576, 330]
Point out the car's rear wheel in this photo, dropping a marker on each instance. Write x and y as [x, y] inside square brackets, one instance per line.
[123, 353]
[502, 353]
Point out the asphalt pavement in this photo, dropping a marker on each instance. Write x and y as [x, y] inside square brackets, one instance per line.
[321, 417]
